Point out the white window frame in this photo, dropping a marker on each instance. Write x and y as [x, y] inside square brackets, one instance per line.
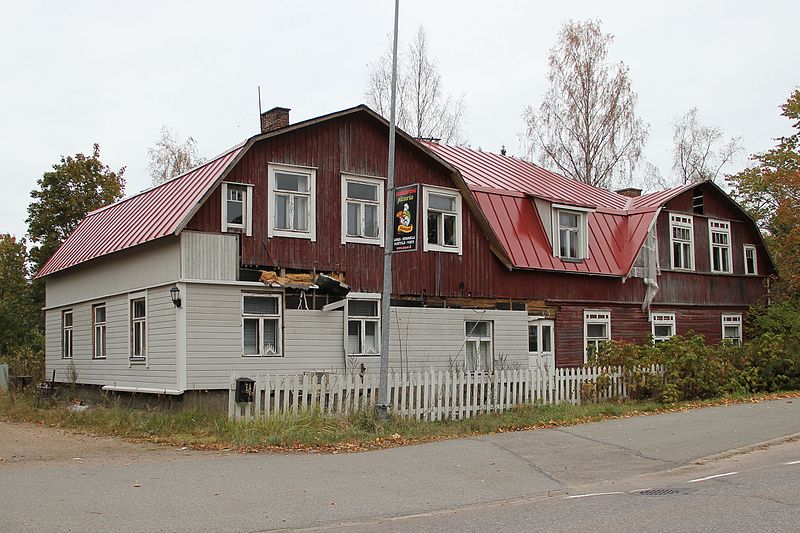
[722, 227]
[367, 180]
[311, 172]
[67, 334]
[471, 338]
[535, 357]
[661, 318]
[733, 319]
[260, 317]
[685, 222]
[430, 247]
[99, 330]
[247, 208]
[752, 248]
[362, 319]
[582, 249]
[142, 358]
[595, 316]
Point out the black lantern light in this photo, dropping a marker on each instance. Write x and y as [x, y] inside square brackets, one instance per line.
[175, 294]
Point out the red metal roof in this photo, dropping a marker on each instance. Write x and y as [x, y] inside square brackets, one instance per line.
[137, 219]
[656, 199]
[504, 186]
[493, 171]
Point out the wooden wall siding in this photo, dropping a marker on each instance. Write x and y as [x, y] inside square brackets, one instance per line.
[147, 265]
[357, 144]
[314, 340]
[630, 323]
[209, 256]
[714, 205]
[115, 370]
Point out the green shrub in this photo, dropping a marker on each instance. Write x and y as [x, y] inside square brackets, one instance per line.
[24, 361]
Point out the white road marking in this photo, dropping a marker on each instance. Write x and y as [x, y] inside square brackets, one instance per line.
[591, 494]
[792, 463]
[640, 490]
[712, 477]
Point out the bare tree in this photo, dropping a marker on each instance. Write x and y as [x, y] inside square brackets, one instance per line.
[169, 157]
[699, 152]
[423, 108]
[586, 127]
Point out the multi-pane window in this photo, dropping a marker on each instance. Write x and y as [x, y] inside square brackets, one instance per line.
[540, 344]
[362, 199]
[569, 244]
[261, 325]
[720, 237]
[99, 331]
[66, 334]
[442, 220]
[292, 202]
[236, 208]
[750, 260]
[596, 329]
[138, 314]
[681, 242]
[663, 326]
[478, 346]
[363, 327]
[732, 328]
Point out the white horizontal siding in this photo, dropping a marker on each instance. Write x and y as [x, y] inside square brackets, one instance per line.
[314, 340]
[115, 369]
[143, 266]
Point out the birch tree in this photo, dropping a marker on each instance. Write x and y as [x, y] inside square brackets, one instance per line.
[424, 109]
[700, 152]
[586, 127]
[169, 157]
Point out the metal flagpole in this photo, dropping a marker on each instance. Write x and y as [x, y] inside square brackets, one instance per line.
[386, 295]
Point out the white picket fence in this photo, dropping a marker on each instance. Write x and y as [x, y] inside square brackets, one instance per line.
[433, 395]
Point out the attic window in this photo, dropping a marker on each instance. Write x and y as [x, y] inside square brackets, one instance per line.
[697, 200]
[570, 235]
[237, 207]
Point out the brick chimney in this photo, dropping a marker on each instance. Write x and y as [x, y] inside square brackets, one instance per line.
[275, 118]
[630, 192]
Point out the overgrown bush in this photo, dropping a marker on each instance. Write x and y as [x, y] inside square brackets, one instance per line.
[24, 361]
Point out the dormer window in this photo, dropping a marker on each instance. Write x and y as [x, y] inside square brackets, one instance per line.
[570, 235]
[237, 206]
[442, 222]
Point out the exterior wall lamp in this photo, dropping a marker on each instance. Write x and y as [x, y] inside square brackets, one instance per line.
[175, 294]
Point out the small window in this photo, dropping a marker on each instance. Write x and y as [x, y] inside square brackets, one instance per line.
[362, 210]
[663, 326]
[681, 242]
[363, 327]
[750, 260]
[99, 331]
[720, 242]
[697, 201]
[66, 334]
[138, 340]
[478, 346]
[732, 328]
[570, 234]
[237, 202]
[442, 220]
[292, 202]
[596, 330]
[261, 325]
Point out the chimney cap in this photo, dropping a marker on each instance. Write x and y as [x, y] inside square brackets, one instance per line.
[277, 109]
[630, 192]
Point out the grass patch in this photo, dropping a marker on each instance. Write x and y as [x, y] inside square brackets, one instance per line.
[310, 430]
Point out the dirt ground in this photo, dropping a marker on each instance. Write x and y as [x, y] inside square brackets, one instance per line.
[31, 445]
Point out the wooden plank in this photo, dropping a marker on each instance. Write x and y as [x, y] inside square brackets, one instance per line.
[232, 397]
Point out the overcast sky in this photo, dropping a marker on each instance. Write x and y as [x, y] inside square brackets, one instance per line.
[75, 73]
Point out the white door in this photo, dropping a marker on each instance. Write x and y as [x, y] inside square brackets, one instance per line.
[541, 344]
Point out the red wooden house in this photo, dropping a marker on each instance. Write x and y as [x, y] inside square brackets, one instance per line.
[268, 258]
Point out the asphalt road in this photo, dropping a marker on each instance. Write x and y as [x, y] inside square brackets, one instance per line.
[457, 484]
